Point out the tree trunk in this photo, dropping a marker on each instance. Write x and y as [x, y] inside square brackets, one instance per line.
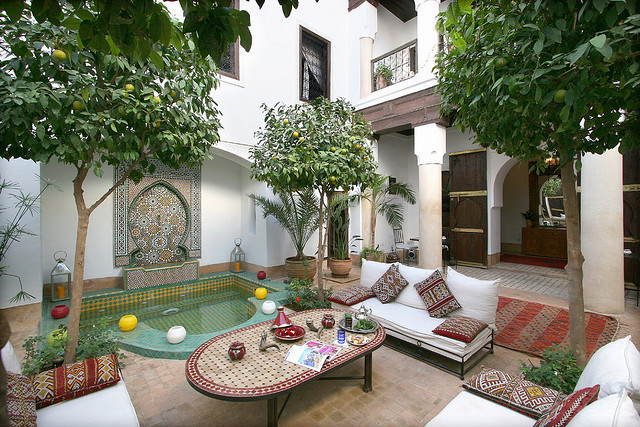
[574, 264]
[320, 248]
[73, 331]
[5, 333]
[374, 221]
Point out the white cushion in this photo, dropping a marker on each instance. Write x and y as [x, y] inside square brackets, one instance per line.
[467, 409]
[615, 366]
[9, 359]
[409, 296]
[110, 406]
[615, 410]
[478, 298]
[372, 271]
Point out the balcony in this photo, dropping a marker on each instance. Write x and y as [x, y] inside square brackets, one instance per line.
[394, 67]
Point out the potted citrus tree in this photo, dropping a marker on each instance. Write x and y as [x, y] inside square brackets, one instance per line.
[298, 216]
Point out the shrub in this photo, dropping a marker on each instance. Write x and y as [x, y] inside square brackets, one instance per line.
[558, 370]
[303, 295]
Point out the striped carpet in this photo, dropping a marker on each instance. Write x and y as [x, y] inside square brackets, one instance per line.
[531, 327]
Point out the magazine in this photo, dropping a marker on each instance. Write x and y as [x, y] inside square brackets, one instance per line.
[311, 355]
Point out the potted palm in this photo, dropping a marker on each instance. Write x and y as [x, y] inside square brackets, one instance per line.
[529, 217]
[298, 216]
[340, 263]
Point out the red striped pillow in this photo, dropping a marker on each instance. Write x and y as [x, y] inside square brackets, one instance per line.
[75, 380]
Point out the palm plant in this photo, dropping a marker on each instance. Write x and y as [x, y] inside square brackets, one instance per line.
[297, 214]
[383, 197]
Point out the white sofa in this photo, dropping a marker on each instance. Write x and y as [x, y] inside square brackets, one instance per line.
[615, 367]
[108, 407]
[407, 317]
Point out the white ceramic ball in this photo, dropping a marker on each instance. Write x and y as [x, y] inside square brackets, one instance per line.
[268, 307]
[176, 334]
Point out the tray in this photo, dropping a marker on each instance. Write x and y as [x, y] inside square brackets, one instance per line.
[299, 333]
[358, 331]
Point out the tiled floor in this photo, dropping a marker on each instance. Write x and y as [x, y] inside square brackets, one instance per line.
[405, 391]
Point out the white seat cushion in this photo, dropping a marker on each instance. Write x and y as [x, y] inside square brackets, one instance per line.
[615, 366]
[9, 359]
[615, 410]
[478, 298]
[467, 409]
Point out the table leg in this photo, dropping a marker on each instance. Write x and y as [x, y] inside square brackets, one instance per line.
[272, 412]
[368, 370]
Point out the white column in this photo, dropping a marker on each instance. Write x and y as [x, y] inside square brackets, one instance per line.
[427, 48]
[365, 21]
[366, 210]
[602, 232]
[430, 143]
[366, 55]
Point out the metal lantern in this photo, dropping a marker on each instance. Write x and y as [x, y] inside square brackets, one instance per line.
[60, 278]
[236, 262]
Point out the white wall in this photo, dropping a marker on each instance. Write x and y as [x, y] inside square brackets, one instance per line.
[392, 32]
[515, 199]
[23, 258]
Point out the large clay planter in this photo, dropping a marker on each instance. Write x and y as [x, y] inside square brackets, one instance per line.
[299, 269]
[340, 267]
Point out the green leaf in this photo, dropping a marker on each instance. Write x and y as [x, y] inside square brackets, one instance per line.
[578, 53]
[598, 41]
[13, 8]
[465, 6]
[156, 59]
[538, 46]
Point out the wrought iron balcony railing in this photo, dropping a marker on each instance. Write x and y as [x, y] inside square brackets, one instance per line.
[395, 66]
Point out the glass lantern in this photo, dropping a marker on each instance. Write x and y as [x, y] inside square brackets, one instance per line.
[236, 262]
[60, 278]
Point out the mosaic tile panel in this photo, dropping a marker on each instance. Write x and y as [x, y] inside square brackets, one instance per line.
[186, 184]
[145, 277]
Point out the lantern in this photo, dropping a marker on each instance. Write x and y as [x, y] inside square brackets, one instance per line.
[60, 278]
[236, 262]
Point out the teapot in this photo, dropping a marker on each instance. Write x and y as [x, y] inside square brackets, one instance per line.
[363, 313]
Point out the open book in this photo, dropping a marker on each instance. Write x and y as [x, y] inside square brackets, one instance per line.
[311, 355]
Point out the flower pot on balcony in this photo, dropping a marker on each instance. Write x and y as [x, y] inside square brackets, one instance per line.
[340, 267]
[381, 82]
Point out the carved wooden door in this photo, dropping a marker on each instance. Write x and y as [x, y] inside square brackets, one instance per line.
[468, 207]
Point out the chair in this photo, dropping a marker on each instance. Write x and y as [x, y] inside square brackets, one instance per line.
[409, 253]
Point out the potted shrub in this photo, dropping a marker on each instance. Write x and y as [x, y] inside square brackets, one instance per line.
[384, 76]
[529, 217]
[372, 254]
[298, 215]
[340, 263]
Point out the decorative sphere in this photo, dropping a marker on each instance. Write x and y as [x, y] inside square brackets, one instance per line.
[176, 334]
[268, 307]
[262, 275]
[128, 322]
[55, 335]
[260, 293]
[59, 311]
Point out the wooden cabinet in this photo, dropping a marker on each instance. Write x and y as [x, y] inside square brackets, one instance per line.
[544, 241]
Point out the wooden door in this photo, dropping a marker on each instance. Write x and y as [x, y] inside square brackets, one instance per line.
[468, 206]
[631, 212]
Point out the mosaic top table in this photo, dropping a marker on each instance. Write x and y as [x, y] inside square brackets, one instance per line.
[266, 375]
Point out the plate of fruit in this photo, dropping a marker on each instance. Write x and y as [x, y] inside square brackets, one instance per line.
[290, 333]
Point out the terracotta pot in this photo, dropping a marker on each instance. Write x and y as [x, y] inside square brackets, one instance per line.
[340, 267]
[529, 223]
[301, 269]
[59, 311]
[374, 257]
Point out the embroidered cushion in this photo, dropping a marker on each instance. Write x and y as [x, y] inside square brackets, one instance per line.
[562, 412]
[351, 295]
[513, 392]
[75, 379]
[409, 296]
[371, 271]
[21, 402]
[389, 285]
[460, 328]
[436, 295]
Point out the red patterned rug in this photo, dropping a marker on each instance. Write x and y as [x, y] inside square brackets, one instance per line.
[533, 260]
[531, 327]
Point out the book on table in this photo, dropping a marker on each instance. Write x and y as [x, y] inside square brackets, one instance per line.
[311, 355]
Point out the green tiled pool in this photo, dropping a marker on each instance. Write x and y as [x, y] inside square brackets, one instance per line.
[215, 304]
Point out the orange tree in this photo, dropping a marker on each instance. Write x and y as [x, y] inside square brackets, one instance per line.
[546, 78]
[84, 108]
[322, 145]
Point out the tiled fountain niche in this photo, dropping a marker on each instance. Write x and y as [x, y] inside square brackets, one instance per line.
[145, 277]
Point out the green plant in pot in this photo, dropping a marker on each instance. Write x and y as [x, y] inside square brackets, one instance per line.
[371, 254]
[529, 217]
[298, 216]
[384, 76]
[340, 263]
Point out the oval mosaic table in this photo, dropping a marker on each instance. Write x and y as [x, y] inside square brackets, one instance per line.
[266, 375]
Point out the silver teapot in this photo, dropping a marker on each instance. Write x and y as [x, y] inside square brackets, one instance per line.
[363, 313]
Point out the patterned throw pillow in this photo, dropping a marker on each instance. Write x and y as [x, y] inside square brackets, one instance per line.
[563, 411]
[389, 285]
[513, 392]
[460, 328]
[21, 403]
[351, 295]
[75, 380]
[436, 295]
